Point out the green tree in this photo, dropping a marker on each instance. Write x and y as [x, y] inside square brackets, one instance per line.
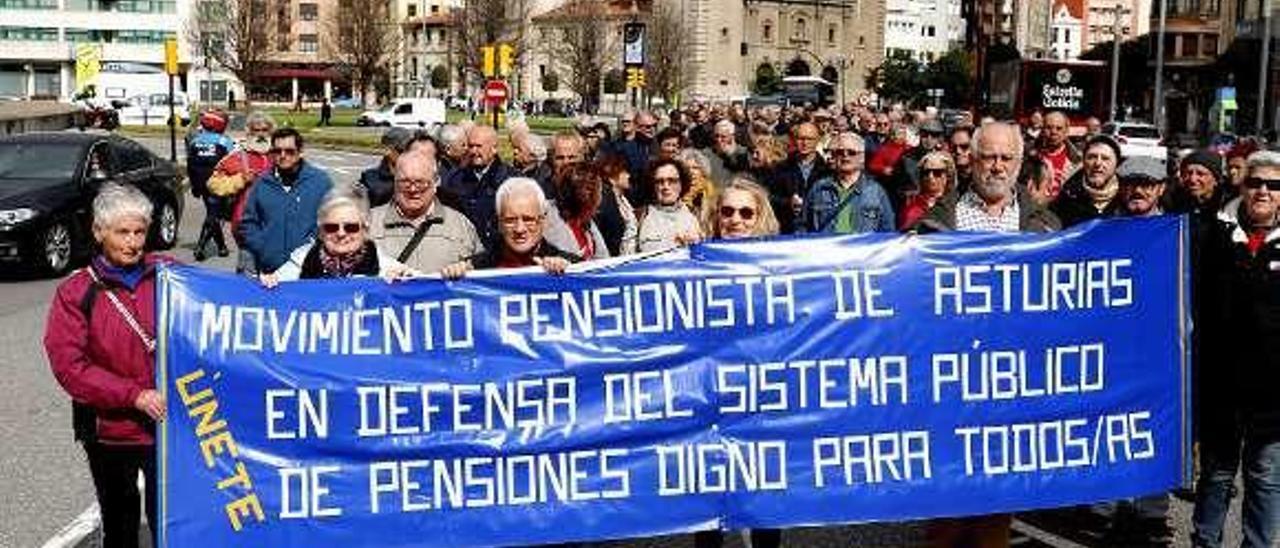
[953, 74]
[550, 82]
[439, 77]
[767, 82]
[898, 78]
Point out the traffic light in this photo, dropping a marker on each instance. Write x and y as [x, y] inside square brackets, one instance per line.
[635, 77]
[486, 65]
[506, 59]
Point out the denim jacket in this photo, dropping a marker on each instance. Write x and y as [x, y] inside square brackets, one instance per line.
[869, 203]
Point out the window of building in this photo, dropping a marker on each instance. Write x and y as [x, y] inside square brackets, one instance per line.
[218, 94]
[28, 34]
[412, 10]
[29, 5]
[413, 68]
[1190, 45]
[831, 34]
[435, 9]
[801, 30]
[724, 34]
[308, 43]
[308, 12]
[766, 31]
[1066, 35]
[1209, 45]
[862, 41]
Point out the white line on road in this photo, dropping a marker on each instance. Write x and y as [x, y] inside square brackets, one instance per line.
[75, 532]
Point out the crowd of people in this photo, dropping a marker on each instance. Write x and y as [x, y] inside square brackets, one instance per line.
[447, 202]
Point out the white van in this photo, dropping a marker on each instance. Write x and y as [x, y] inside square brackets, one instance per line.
[153, 109]
[418, 112]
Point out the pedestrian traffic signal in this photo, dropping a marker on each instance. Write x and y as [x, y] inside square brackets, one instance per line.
[486, 63]
[635, 78]
[497, 60]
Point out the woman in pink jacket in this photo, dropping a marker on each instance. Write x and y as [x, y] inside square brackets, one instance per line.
[101, 345]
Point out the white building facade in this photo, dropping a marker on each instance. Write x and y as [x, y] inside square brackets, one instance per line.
[38, 40]
[922, 29]
[1066, 29]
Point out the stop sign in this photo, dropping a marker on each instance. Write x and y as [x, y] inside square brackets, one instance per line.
[495, 91]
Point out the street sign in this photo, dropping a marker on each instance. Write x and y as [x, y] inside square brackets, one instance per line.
[171, 56]
[495, 91]
[633, 45]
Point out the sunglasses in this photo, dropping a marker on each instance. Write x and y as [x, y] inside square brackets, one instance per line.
[746, 213]
[1272, 185]
[844, 152]
[346, 228]
[934, 171]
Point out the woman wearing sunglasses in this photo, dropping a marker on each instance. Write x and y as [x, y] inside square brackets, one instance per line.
[742, 210]
[937, 177]
[343, 248]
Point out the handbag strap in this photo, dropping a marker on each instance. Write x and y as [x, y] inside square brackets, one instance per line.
[146, 339]
[418, 234]
[835, 213]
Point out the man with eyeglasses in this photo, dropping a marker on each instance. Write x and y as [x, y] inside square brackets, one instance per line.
[280, 212]
[415, 227]
[1239, 412]
[994, 202]
[473, 186]
[848, 201]
[522, 211]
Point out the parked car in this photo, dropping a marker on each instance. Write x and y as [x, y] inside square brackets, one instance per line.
[47, 185]
[153, 109]
[418, 112]
[1138, 139]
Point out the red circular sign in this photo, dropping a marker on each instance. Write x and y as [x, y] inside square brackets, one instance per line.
[495, 91]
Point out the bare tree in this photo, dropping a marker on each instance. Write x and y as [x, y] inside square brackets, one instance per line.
[233, 35]
[480, 23]
[667, 45]
[582, 37]
[363, 39]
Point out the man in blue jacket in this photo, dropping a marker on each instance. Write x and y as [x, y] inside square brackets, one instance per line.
[848, 201]
[280, 212]
[473, 186]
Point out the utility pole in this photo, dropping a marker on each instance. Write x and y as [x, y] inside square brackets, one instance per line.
[1265, 70]
[1158, 100]
[1115, 59]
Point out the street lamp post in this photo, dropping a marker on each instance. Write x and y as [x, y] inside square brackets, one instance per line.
[1265, 67]
[1115, 59]
[1158, 100]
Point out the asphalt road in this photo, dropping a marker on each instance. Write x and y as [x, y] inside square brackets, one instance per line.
[46, 483]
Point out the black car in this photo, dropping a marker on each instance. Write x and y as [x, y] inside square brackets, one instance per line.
[47, 185]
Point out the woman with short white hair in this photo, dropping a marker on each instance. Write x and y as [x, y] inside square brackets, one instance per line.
[100, 339]
[343, 248]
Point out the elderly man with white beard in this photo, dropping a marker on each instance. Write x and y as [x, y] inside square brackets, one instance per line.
[994, 203]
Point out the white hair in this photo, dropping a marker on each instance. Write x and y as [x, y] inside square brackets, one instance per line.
[519, 186]
[116, 202]
[452, 134]
[537, 147]
[1264, 158]
[259, 117]
[345, 195]
[724, 126]
[977, 137]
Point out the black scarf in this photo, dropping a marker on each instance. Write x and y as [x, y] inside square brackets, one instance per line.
[315, 265]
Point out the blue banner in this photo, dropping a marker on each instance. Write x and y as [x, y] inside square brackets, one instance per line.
[732, 384]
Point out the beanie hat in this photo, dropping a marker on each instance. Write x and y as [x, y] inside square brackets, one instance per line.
[1104, 140]
[1205, 158]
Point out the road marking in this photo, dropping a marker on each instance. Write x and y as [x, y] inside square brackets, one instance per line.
[90, 520]
[75, 532]
[1044, 536]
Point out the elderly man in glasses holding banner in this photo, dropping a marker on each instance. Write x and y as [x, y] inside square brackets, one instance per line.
[280, 212]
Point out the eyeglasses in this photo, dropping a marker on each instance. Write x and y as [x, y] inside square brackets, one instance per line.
[1255, 183]
[648, 126]
[934, 172]
[746, 213]
[844, 152]
[285, 151]
[346, 228]
[417, 184]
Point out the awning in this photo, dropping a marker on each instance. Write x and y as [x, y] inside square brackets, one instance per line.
[300, 73]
